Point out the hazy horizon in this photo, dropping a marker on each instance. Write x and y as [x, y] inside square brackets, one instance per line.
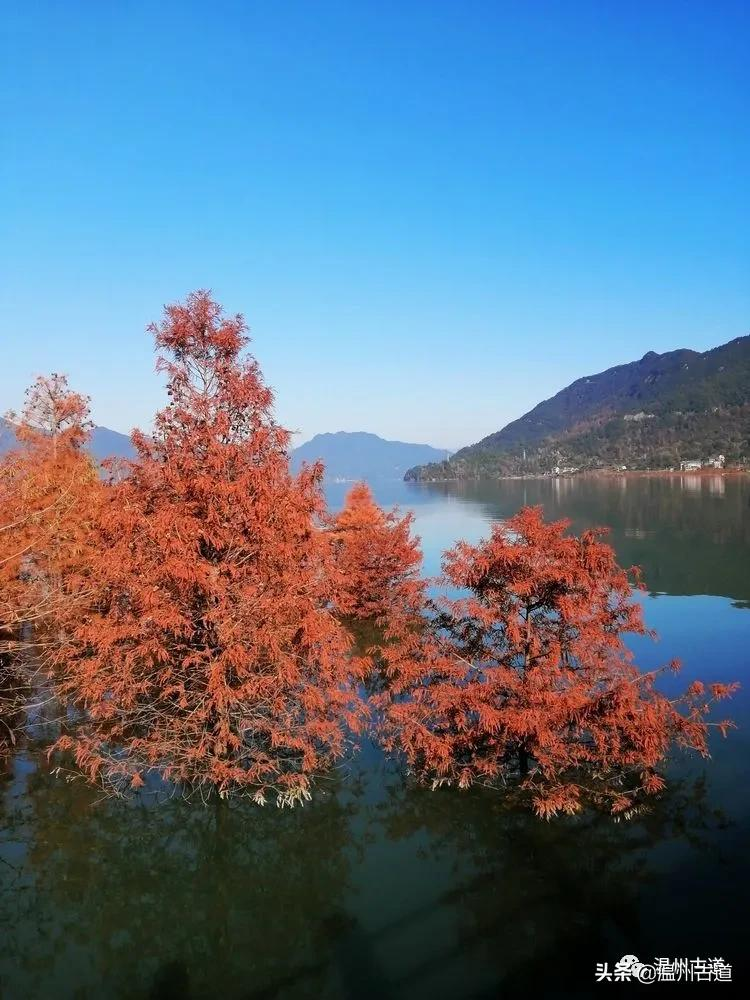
[300, 438]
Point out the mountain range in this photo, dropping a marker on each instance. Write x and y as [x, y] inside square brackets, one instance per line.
[346, 456]
[352, 455]
[651, 413]
[103, 442]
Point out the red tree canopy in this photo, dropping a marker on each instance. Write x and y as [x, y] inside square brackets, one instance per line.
[377, 560]
[210, 653]
[528, 678]
[54, 417]
[48, 487]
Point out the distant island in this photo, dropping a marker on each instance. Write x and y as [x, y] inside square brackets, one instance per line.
[683, 410]
[352, 455]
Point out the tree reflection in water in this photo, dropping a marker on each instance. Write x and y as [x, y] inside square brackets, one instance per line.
[546, 901]
[109, 898]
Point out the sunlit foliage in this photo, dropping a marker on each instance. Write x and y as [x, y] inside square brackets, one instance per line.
[209, 652]
[527, 679]
[48, 490]
[376, 559]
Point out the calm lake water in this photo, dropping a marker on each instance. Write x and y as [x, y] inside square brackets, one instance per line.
[379, 889]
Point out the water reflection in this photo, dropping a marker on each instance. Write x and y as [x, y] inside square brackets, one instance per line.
[557, 897]
[690, 534]
[109, 895]
[382, 890]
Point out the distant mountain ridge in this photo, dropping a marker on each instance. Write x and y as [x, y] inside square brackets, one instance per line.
[346, 455]
[353, 455]
[103, 442]
[650, 413]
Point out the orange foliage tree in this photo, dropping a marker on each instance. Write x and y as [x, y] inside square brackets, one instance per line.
[48, 485]
[527, 679]
[210, 653]
[376, 560]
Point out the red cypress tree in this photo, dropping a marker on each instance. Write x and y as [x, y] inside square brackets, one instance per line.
[528, 680]
[210, 654]
[48, 486]
[377, 561]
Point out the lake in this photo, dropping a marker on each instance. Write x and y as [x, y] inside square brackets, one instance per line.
[380, 889]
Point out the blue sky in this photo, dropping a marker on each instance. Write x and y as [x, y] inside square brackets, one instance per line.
[432, 214]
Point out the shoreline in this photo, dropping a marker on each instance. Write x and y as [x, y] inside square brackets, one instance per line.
[590, 474]
[667, 473]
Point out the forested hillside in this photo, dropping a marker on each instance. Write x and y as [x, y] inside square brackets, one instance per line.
[651, 413]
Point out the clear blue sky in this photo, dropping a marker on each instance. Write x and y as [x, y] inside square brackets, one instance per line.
[433, 214]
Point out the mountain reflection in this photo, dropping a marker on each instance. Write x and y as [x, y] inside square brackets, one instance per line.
[690, 534]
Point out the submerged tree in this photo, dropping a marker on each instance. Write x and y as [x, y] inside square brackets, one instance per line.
[376, 559]
[48, 489]
[528, 680]
[210, 653]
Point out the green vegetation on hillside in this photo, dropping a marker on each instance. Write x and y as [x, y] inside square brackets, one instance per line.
[650, 414]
